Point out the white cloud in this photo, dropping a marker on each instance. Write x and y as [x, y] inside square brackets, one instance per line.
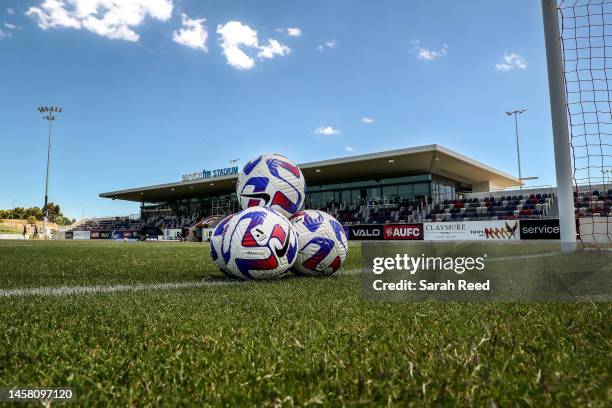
[192, 34]
[273, 48]
[294, 32]
[234, 35]
[511, 61]
[12, 26]
[426, 54]
[331, 44]
[367, 120]
[114, 19]
[10, 11]
[326, 130]
[348, 148]
[4, 34]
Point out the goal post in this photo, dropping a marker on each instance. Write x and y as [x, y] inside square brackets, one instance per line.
[560, 125]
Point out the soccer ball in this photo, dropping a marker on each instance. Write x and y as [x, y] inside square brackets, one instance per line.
[215, 244]
[271, 181]
[258, 243]
[322, 243]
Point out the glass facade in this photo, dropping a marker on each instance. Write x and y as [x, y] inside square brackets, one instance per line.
[197, 207]
[386, 190]
[441, 191]
[353, 193]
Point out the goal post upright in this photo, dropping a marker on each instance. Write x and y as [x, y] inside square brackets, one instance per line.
[560, 127]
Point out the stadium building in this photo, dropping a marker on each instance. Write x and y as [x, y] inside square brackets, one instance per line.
[409, 178]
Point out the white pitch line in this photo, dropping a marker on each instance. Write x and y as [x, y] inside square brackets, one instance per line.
[515, 257]
[77, 290]
[81, 290]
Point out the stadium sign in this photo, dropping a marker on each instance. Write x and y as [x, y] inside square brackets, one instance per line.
[81, 235]
[540, 229]
[365, 232]
[445, 231]
[403, 231]
[204, 174]
[501, 230]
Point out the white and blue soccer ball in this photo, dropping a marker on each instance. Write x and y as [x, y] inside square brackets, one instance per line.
[271, 181]
[258, 243]
[322, 243]
[215, 244]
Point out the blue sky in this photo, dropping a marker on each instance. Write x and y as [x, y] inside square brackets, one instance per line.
[152, 89]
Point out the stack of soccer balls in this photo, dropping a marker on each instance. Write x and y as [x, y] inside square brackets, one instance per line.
[271, 235]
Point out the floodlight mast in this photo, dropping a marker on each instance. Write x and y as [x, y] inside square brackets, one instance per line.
[561, 138]
[50, 112]
[515, 113]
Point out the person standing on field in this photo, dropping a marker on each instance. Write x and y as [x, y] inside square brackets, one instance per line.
[24, 231]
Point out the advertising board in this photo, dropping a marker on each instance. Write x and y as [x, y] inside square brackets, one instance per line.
[81, 234]
[495, 230]
[172, 234]
[207, 233]
[403, 232]
[540, 229]
[365, 232]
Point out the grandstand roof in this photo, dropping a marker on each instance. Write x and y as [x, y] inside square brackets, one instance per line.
[434, 159]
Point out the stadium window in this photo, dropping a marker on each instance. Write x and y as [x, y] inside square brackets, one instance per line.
[389, 192]
[356, 196]
[316, 200]
[374, 193]
[406, 179]
[307, 201]
[332, 186]
[421, 189]
[405, 191]
[362, 183]
[346, 196]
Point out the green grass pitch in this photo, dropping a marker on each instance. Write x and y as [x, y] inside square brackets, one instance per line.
[289, 342]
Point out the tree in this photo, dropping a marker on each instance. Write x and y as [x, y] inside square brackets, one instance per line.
[35, 212]
[19, 213]
[61, 220]
[53, 211]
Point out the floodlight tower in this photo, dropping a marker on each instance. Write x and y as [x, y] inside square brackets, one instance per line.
[49, 114]
[515, 113]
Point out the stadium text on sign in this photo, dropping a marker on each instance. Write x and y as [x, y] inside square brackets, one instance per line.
[197, 175]
[403, 232]
[471, 230]
[540, 229]
[365, 232]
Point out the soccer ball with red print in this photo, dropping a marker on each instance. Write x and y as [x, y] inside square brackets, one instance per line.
[322, 243]
[215, 244]
[271, 181]
[258, 243]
